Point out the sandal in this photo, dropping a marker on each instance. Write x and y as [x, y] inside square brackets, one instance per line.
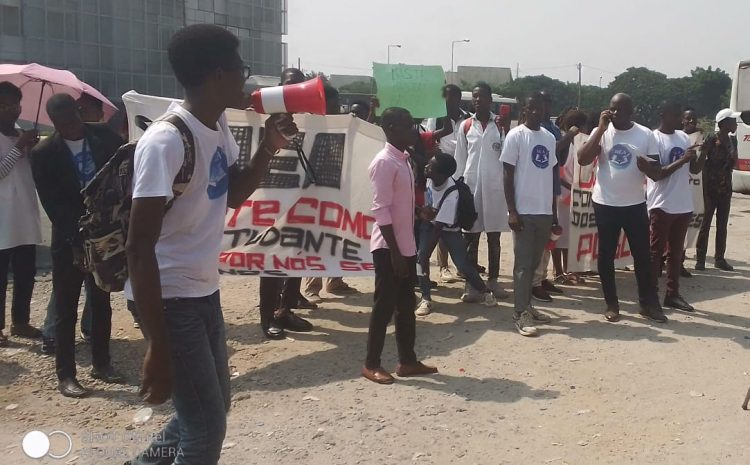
[564, 279]
[3, 340]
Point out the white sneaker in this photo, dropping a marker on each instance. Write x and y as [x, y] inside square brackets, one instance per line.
[471, 295]
[424, 309]
[538, 316]
[446, 276]
[489, 300]
[525, 325]
[497, 291]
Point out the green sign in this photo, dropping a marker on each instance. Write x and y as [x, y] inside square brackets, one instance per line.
[414, 87]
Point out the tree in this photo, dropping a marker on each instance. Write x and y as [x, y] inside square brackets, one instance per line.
[647, 88]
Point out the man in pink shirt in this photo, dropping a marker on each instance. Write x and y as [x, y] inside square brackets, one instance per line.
[394, 250]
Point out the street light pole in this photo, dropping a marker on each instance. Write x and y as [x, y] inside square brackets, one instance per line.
[389, 51]
[453, 45]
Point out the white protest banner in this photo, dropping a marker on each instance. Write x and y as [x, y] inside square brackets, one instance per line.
[696, 189]
[583, 248]
[291, 226]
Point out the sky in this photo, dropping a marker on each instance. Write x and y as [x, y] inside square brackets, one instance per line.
[539, 36]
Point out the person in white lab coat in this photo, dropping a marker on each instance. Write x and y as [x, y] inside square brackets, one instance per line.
[479, 144]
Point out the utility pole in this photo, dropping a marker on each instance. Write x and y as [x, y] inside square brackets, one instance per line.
[299, 63]
[453, 46]
[579, 84]
[517, 70]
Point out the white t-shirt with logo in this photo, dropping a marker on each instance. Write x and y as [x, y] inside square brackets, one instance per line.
[448, 212]
[533, 155]
[20, 223]
[671, 194]
[619, 182]
[190, 240]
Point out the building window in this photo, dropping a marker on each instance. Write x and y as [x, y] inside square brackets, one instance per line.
[11, 21]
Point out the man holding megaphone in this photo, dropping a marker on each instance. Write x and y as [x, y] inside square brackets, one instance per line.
[173, 253]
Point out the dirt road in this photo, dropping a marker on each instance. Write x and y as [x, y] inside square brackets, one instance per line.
[585, 392]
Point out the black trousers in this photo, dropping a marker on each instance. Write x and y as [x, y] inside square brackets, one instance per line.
[67, 280]
[610, 221]
[719, 203]
[276, 293]
[493, 252]
[393, 296]
[23, 260]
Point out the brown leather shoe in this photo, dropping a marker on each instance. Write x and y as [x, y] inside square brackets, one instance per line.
[417, 369]
[377, 375]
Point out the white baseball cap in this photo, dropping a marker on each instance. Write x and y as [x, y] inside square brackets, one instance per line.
[726, 114]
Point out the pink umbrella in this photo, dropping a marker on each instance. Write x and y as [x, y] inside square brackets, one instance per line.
[108, 107]
[39, 83]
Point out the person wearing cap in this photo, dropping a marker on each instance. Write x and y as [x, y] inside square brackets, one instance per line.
[720, 151]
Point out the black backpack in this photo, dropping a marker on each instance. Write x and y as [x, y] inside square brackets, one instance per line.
[466, 214]
[108, 198]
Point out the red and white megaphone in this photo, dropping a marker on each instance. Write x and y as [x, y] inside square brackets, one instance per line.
[305, 97]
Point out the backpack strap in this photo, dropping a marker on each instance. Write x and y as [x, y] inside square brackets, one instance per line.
[183, 177]
[451, 189]
[466, 125]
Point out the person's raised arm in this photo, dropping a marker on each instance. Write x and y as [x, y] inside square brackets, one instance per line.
[279, 129]
[592, 148]
[562, 147]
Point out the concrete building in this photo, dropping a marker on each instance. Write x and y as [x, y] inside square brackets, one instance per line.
[119, 45]
[473, 74]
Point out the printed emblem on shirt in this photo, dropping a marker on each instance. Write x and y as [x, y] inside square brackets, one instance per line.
[497, 146]
[675, 154]
[540, 156]
[620, 157]
[85, 166]
[218, 179]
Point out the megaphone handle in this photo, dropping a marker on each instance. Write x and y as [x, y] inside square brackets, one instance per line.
[306, 165]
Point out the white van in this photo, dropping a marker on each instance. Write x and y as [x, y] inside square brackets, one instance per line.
[741, 102]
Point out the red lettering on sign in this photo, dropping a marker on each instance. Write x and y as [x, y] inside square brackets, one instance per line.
[295, 218]
[233, 220]
[328, 208]
[265, 212]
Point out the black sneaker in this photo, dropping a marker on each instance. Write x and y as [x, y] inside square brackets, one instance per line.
[291, 322]
[549, 287]
[538, 293]
[654, 313]
[273, 330]
[678, 303]
[48, 347]
[700, 266]
[107, 374]
[684, 273]
[723, 265]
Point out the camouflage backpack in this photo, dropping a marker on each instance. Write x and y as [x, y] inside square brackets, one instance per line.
[108, 199]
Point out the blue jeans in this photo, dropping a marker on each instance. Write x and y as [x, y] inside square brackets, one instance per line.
[456, 245]
[201, 392]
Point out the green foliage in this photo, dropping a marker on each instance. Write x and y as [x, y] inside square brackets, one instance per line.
[706, 89]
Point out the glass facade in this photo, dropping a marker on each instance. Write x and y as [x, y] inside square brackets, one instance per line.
[119, 45]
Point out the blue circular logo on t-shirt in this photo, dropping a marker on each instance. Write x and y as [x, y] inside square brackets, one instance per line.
[620, 157]
[675, 154]
[218, 178]
[540, 156]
